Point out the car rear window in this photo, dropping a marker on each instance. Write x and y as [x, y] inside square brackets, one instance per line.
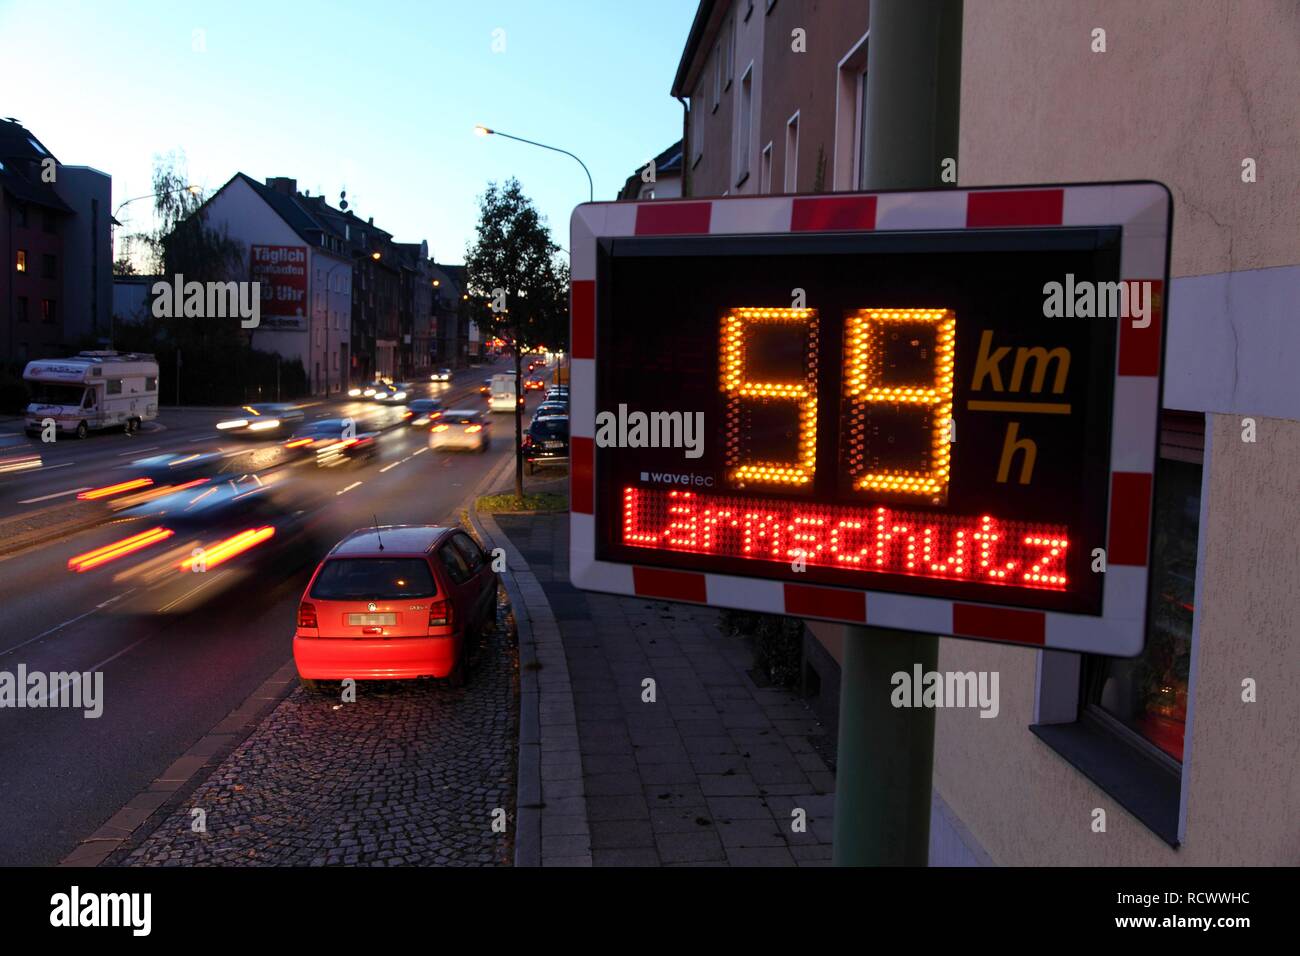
[551, 428]
[385, 579]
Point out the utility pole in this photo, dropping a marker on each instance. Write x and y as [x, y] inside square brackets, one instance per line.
[885, 756]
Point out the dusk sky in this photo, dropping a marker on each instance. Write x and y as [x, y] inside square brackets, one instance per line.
[377, 98]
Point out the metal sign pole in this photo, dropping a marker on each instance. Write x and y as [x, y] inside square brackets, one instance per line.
[885, 756]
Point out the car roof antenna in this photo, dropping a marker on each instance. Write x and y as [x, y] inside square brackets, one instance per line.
[377, 534]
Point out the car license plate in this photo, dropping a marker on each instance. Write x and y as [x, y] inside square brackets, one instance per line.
[552, 444]
[372, 620]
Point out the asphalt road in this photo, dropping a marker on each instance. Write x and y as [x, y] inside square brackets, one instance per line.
[179, 655]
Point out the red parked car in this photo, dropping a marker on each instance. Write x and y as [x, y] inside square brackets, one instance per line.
[395, 602]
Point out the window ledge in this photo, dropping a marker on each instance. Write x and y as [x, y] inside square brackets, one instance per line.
[1134, 781]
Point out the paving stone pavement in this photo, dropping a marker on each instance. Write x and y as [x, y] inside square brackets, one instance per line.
[713, 771]
[409, 774]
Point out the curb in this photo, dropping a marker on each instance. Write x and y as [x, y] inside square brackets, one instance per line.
[548, 727]
[165, 793]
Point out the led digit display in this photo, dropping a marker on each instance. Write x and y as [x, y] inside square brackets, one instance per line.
[763, 415]
[883, 412]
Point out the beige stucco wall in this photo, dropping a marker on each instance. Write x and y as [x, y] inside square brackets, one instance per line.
[1184, 93]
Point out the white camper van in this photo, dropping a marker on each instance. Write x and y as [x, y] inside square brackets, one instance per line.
[91, 391]
[502, 398]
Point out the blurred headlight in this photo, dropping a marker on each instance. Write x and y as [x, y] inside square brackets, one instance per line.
[264, 424]
[234, 423]
[354, 392]
[398, 396]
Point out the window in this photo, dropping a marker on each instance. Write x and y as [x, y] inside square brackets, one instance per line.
[20, 210]
[49, 266]
[113, 386]
[792, 154]
[1148, 694]
[745, 125]
[717, 76]
[21, 263]
[49, 221]
[770, 5]
[472, 553]
[151, 384]
[20, 307]
[729, 52]
[697, 132]
[382, 579]
[455, 563]
[848, 169]
[1122, 722]
[765, 170]
[48, 312]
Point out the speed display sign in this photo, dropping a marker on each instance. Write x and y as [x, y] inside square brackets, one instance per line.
[934, 411]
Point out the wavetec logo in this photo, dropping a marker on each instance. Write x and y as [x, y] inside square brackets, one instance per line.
[683, 478]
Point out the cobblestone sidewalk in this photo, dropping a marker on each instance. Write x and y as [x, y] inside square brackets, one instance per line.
[409, 774]
[713, 771]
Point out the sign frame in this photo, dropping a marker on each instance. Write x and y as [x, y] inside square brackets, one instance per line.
[1142, 210]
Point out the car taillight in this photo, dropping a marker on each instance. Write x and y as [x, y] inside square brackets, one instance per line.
[440, 614]
[440, 428]
[307, 615]
[474, 428]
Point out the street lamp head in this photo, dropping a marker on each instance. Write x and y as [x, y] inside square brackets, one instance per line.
[481, 130]
[437, 282]
[375, 256]
[194, 190]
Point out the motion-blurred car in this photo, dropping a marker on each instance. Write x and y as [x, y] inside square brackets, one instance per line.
[424, 412]
[334, 441]
[394, 394]
[185, 547]
[546, 443]
[265, 420]
[441, 375]
[559, 393]
[395, 602]
[486, 388]
[533, 384]
[17, 455]
[462, 428]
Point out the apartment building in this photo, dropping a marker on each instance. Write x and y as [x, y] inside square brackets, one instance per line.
[1190, 751]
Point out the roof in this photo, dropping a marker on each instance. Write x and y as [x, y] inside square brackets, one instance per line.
[399, 539]
[693, 40]
[667, 163]
[21, 155]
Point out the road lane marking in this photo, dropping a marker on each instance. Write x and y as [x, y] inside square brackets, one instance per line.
[348, 488]
[420, 452]
[137, 451]
[387, 467]
[71, 620]
[57, 494]
[66, 464]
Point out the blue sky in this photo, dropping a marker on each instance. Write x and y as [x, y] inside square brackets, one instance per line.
[378, 97]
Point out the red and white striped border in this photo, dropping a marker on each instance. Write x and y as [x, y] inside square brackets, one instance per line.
[1140, 208]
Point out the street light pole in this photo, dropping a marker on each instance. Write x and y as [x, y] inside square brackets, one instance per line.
[486, 131]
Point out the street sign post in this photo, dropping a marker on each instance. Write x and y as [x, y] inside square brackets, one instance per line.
[933, 411]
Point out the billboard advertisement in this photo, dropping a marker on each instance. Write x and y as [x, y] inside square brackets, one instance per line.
[282, 272]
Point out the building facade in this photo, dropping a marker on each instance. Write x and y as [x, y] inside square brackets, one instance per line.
[1192, 761]
[55, 231]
